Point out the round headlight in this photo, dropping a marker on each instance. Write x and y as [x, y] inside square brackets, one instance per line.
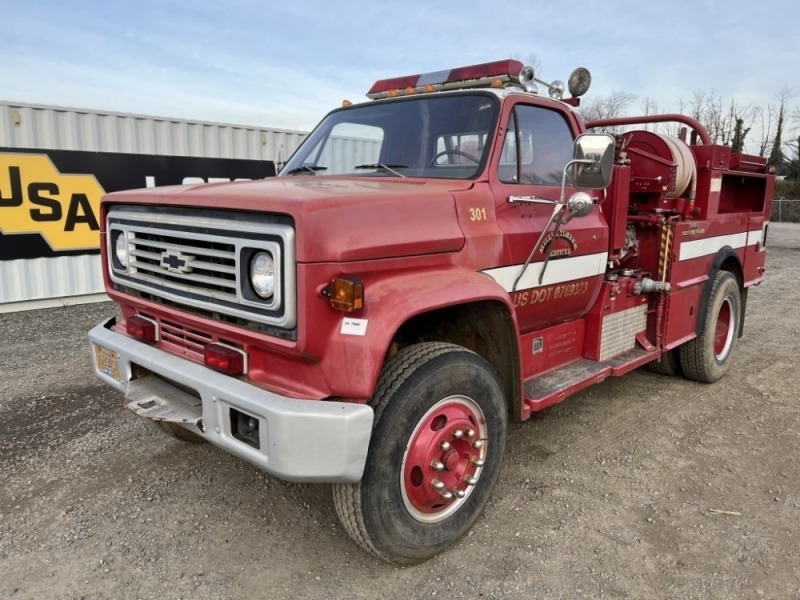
[121, 249]
[262, 274]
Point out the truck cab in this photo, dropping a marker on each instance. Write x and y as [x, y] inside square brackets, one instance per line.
[459, 251]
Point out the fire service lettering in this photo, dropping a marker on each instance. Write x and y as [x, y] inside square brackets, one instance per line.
[36, 198]
[562, 235]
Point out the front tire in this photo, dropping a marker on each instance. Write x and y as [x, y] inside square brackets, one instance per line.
[707, 357]
[434, 457]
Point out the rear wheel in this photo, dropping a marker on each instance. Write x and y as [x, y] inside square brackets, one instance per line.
[667, 364]
[707, 357]
[434, 457]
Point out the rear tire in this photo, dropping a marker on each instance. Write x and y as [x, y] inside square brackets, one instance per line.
[434, 457]
[667, 364]
[707, 357]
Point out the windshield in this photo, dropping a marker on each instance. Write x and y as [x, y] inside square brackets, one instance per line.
[427, 136]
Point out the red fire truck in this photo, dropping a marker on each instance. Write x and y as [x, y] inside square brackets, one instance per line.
[459, 251]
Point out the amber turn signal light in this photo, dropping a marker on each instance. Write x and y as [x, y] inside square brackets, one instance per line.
[347, 294]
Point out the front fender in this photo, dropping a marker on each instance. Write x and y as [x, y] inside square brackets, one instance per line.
[355, 354]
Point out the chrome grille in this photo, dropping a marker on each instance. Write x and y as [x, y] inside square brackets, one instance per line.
[203, 261]
[212, 265]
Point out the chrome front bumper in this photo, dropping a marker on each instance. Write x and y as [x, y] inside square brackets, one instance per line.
[298, 440]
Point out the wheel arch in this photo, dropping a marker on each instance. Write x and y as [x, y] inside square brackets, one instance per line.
[725, 260]
[487, 327]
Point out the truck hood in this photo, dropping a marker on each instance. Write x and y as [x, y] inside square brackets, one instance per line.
[336, 218]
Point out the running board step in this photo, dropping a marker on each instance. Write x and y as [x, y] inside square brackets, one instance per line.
[545, 390]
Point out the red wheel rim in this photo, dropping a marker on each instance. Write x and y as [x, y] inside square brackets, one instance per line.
[443, 460]
[724, 330]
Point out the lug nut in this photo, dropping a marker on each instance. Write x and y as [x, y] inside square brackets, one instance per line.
[470, 480]
[459, 493]
[446, 495]
[437, 465]
[458, 434]
[478, 462]
[437, 484]
[445, 445]
[470, 433]
[478, 444]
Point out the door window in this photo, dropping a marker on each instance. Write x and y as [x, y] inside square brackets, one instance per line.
[537, 146]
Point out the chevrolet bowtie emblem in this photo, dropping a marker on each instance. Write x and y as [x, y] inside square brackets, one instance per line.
[175, 262]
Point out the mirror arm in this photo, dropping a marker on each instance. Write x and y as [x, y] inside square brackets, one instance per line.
[574, 161]
[557, 208]
[559, 222]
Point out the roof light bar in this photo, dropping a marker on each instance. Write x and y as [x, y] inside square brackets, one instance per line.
[483, 75]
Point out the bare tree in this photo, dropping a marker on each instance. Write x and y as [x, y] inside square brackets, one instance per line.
[783, 97]
[698, 104]
[607, 107]
[764, 118]
[649, 107]
[721, 120]
[792, 164]
[530, 60]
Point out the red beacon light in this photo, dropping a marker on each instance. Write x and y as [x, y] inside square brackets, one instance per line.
[500, 73]
[483, 75]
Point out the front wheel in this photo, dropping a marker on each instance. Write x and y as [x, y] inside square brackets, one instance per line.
[434, 457]
[707, 357]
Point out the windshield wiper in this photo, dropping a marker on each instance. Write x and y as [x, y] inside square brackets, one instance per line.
[390, 168]
[311, 168]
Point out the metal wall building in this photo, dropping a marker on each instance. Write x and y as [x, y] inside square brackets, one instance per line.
[31, 283]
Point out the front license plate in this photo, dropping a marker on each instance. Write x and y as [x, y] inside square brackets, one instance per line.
[107, 362]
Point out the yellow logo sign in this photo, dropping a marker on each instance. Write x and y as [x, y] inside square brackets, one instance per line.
[36, 198]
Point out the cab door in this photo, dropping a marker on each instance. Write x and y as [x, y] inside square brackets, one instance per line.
[529, 159]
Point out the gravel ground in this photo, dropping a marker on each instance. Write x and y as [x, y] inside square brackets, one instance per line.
[618, 492]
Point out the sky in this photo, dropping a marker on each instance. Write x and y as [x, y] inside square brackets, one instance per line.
[286, 64]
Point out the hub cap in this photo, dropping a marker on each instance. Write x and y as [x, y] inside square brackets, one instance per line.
[724, 331]
[443, 459]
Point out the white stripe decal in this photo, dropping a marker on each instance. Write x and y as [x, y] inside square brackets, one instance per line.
[712, 245]
[559, 270]
[755, 236]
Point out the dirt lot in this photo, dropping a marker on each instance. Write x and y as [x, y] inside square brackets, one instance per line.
[615, 493]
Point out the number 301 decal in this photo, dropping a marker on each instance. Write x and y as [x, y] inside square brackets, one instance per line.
[477, 214]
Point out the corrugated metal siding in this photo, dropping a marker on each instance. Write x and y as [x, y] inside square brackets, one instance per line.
[342, 154]
[50, 127]
[55, 128]
[36, 278]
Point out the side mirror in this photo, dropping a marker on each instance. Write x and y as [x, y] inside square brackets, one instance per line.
[594, 156]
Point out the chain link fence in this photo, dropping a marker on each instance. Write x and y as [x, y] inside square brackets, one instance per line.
[786, 210]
